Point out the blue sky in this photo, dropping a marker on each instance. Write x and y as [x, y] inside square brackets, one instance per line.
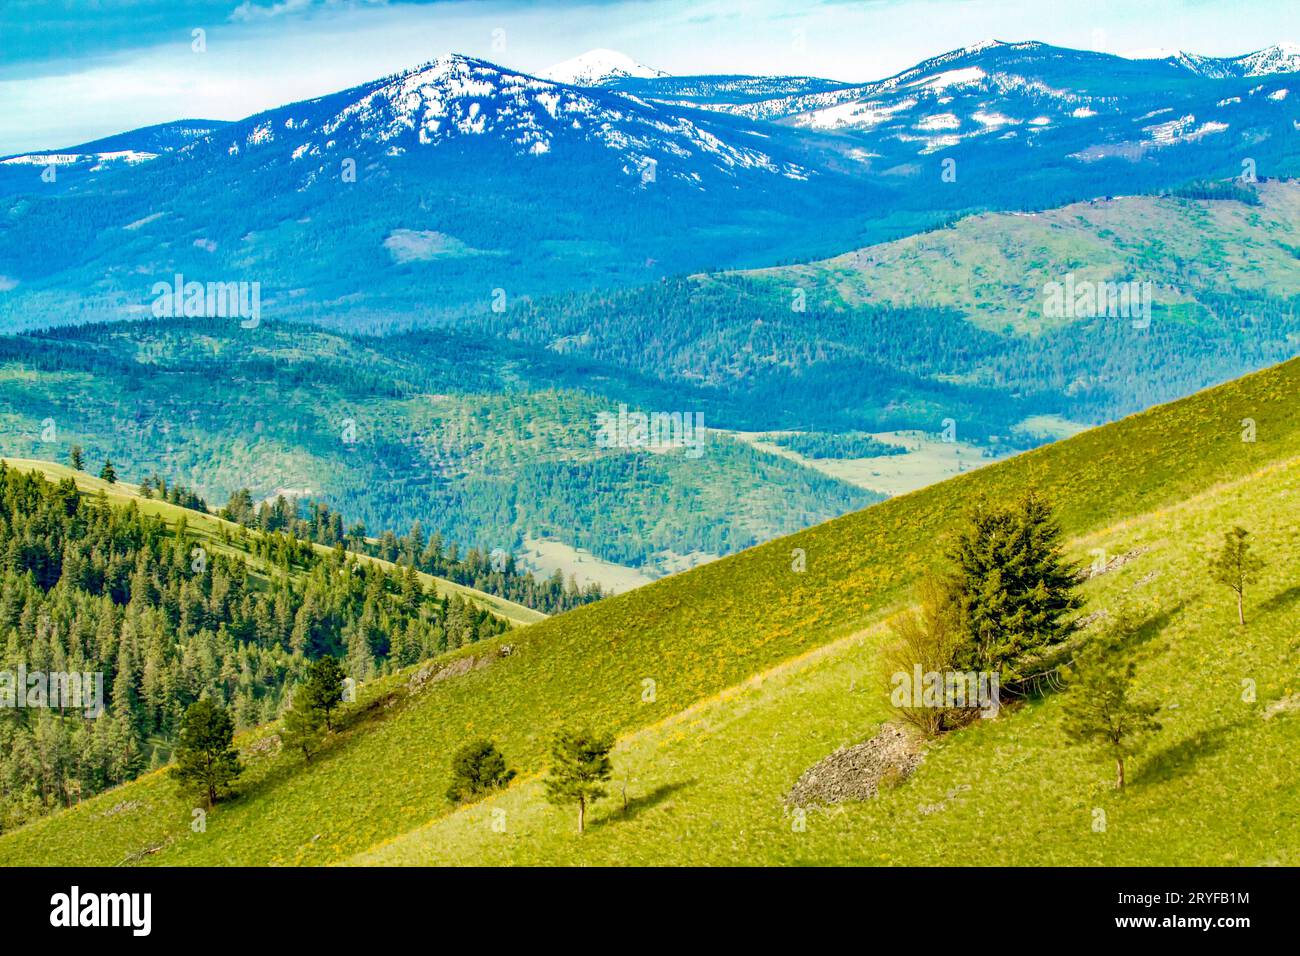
[73, 70]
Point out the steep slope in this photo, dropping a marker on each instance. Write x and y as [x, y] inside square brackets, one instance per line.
[1215, 786]
[693, 636]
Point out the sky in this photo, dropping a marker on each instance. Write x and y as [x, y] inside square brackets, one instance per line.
[75, 70]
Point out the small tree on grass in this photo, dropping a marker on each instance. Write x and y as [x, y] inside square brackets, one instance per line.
[303, 725]
[324, 687]
[76, 458]
[580, 765]
[1236, 565]
[1101, 709]
[108, 473]
[477, 768]
[929, 637]
[206, 760]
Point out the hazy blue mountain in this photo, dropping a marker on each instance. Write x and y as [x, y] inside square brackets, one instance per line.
[461, 187]
[72, 164]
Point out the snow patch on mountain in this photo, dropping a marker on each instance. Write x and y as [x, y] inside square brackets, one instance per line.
[455, 97]
[963, 77]
[129, 156]
[598, 67]
[1279, 58]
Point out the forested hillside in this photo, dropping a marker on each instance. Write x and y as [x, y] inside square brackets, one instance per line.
[953, 322]
[480, 440]
[168, 606]
[494, 572]
[487, 432]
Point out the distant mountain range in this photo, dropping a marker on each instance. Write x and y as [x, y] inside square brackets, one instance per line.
[1279, 58]
[436, 192]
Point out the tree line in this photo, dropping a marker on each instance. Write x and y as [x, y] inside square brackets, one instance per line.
[495, 573]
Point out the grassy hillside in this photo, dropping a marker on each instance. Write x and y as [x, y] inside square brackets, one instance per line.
[992, 267]
[1215, 787]
[710, 639]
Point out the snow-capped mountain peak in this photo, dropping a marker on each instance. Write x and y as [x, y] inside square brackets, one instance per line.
[454, 100]
[1279, 58]
[597, 67]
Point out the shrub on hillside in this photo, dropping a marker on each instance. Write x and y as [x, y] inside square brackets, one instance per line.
[478, 768]
[926, 639]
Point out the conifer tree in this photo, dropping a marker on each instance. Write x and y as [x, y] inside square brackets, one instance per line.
[580, 765]
[206, 759]
[324, 687]
[76, 457]
[1101, 709]
[303, 724]
[1236, 565]
[107, 473]
[1013, 586]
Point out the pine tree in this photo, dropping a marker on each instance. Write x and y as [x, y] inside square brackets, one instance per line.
[302, 725]
[76, 458]
[107, 473]
[360, 659]
[1235, 565]
[580, 765]
[1013, 586]
[324, 687]
[477, 768]
[1100, 709]
[206, 760]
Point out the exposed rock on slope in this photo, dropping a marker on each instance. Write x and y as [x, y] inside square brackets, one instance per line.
[856, 773]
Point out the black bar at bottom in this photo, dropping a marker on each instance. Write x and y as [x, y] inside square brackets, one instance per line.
[365, 905]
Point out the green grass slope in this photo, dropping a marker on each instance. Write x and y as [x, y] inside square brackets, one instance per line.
[1215, 787]
[699, 636]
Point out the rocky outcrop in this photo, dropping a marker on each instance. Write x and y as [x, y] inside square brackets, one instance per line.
[858, 772]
